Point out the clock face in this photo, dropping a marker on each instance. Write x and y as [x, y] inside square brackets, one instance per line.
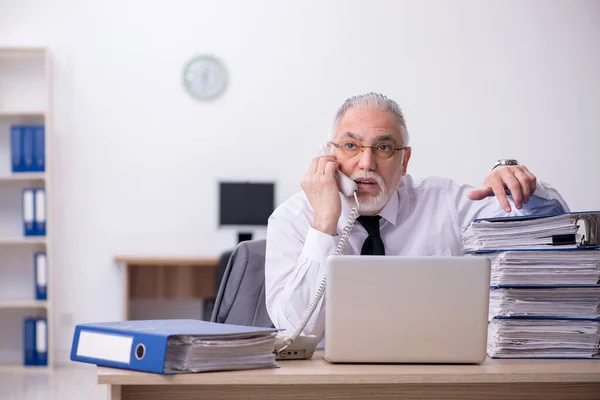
[204, 77]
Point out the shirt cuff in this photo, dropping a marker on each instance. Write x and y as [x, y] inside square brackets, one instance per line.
[318, 246]
[546, 200]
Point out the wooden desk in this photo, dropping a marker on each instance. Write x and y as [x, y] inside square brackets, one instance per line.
[168, 278]
[317, 379]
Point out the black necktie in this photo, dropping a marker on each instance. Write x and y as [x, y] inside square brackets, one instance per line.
[373, 244]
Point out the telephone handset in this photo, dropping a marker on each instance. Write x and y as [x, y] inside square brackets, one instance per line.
[346, 185]
[307, 345]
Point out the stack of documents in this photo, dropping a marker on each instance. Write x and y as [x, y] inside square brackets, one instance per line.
[517, 337]
[567, 230]
[174, 346]
[545, 284]
[545, 301]
[545, 267]
[196, 353]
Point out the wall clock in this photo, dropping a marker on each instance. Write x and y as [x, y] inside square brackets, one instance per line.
[204, 77]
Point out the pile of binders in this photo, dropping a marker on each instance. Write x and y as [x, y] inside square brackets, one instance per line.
[545, 284]
[174, 346]
[27, 148]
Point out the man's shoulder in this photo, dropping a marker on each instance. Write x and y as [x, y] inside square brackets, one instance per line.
[427, 183]
[293, 206]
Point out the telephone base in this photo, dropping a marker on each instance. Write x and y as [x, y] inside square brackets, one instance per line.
[302, 348]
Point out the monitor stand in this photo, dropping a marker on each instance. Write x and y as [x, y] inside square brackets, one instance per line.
[243, 236]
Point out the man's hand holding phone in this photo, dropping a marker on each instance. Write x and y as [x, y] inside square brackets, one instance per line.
[320, 185]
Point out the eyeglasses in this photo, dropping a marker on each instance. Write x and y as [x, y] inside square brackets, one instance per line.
[383, 150]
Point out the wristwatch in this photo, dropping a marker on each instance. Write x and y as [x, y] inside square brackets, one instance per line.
[506, 161]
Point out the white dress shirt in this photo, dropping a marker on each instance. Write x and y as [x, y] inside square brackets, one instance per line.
[423, 217]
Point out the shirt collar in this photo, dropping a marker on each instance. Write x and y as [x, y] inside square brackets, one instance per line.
[390, 211]
[398, 200]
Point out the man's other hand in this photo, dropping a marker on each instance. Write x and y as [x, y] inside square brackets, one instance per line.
[515, 180]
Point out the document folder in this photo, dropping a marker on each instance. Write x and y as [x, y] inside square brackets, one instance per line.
[544, 337]
[28, 211]
[29, 342]
[40, 212]
[41, 273]
[174, 346]
[550, 231]
[41, 341]
[16, 148]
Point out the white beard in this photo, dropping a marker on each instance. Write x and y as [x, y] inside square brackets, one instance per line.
[369, 204]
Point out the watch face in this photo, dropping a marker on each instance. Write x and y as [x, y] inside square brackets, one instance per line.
[204, 77]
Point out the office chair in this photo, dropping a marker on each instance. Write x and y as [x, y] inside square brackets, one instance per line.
[241, 296]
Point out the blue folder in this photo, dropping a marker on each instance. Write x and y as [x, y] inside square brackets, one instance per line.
[28, 211]
[41, 341]
[142, 345]
[28, 136]
[41, 274]
[29, 342]
[16, 148]
[39, 148]
[39, 228]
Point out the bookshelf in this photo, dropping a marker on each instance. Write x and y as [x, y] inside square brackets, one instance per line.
[25, 100]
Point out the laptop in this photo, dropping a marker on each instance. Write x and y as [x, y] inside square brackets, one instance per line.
[395, 309]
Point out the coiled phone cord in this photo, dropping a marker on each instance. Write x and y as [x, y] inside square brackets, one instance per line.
[321, 290]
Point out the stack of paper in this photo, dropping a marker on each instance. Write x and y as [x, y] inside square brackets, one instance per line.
[545, 267]
[198, 354]
[545, 284]
[543, 338]
[569, 230]
[558, 301]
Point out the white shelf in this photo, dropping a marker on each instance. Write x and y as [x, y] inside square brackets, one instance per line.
[22, 113]
[23, 304]
[25, 98]
[23, 176]
[25, 240]
[21, 51]
[18, 368]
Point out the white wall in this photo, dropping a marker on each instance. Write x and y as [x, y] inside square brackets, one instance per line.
[137, 160]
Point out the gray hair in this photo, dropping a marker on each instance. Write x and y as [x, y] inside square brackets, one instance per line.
[377, 101]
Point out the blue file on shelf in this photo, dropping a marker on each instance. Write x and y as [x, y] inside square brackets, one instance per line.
[28, 211]
[39, 148]
[35, 341]
[41, 341]
[40, 212]
[29, 341]
[16, 148]
[41, 274]
[28, 135]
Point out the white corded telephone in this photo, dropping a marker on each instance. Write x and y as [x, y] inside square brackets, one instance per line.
[294, 346]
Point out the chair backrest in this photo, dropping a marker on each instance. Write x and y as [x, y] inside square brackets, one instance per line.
[241, 296]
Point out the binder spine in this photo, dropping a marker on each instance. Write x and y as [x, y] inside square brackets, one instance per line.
[39, 151]
[41, 341]
[40, 212]
[29, 341]
[28, 133]
[16, 148]
[41, 274]
[28, 212]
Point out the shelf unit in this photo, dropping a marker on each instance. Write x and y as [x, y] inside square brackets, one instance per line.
[25, 98]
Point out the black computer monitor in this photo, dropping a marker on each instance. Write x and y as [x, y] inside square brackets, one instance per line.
[244, 205]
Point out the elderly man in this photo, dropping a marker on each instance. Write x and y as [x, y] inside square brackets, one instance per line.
[399, 215]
